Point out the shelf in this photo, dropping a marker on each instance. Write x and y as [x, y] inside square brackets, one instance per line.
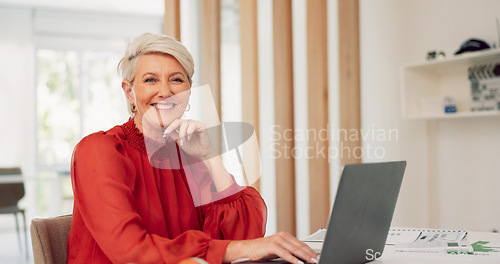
[455, 115]
[442, 78]
[465, 59]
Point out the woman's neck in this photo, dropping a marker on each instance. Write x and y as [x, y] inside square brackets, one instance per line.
[153, 132]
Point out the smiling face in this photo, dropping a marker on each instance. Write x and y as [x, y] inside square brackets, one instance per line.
[161, 90]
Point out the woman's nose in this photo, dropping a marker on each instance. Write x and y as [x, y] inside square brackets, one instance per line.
[164, 91]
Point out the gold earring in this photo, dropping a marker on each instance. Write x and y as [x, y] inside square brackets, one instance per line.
[133, 108]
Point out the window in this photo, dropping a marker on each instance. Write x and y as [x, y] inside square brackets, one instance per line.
[77, 93]
[58, 105]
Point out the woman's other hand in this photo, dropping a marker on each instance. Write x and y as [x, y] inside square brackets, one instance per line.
[281, 245]
[192, 137]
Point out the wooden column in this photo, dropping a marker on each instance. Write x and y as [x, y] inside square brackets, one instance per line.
[250, 78]
[283, 97]
[349, 80]
[317, 101]
[210, 48]
[172, 19]
[211, 64]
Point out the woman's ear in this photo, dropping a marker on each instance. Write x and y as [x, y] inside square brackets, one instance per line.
[127, 89]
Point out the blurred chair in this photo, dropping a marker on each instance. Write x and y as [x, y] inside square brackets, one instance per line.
[11, 191]
[49, 237]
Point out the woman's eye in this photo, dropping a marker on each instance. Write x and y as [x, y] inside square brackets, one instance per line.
[149, 80]
[178, 80]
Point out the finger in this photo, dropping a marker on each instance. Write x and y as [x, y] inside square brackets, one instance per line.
[183, 128]
[201, 127]
[286, 255]
[303, 247]
[293, 249]
[193, 126]
[296, 242]
[173, 126]
[306, 253]
[299, 248]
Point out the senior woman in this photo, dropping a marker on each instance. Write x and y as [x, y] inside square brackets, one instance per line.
[153, 190]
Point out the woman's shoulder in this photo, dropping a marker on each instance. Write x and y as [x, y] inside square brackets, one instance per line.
[102, 141]
[102, 153]
[112, 135]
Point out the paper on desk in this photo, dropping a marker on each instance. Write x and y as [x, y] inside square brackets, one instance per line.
[444, 236]
[436, 246]
[437, 241]
[401, 235]
[318, 236]
[316, 239]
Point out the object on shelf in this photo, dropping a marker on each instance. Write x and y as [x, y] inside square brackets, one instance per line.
[441, 55]
[449, 105]
[432, 55]
[472, 45]
[485, 87]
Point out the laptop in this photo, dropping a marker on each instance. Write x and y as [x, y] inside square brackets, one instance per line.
[361, 215]
[362, 212]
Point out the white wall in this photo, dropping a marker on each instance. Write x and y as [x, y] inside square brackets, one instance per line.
[16, 70]
[466, 189]
[17, 101]
[144, 7]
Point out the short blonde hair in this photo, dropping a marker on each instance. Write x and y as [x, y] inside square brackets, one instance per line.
[148, 43]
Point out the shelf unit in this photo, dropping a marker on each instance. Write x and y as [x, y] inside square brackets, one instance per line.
[445, 77]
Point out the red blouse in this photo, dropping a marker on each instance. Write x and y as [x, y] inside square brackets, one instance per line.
[128, 211]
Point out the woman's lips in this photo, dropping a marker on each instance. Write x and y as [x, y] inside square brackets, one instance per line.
[164, 106]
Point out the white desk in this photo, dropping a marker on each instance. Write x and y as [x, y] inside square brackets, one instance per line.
[391, 256]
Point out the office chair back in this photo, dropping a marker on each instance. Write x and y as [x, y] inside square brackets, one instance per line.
[49, 237]
[10, 193]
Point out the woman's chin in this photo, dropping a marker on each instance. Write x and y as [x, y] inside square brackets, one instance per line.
[154, 121]
[158, 124]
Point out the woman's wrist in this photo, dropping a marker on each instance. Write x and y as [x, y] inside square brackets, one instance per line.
[220, 176]
[234, 251]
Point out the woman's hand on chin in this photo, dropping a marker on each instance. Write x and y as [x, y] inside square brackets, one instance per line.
[281, 245]
[192, 137]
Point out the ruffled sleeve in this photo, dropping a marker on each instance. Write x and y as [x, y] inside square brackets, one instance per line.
[241, 215]
[104, 180]
[234, 213]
